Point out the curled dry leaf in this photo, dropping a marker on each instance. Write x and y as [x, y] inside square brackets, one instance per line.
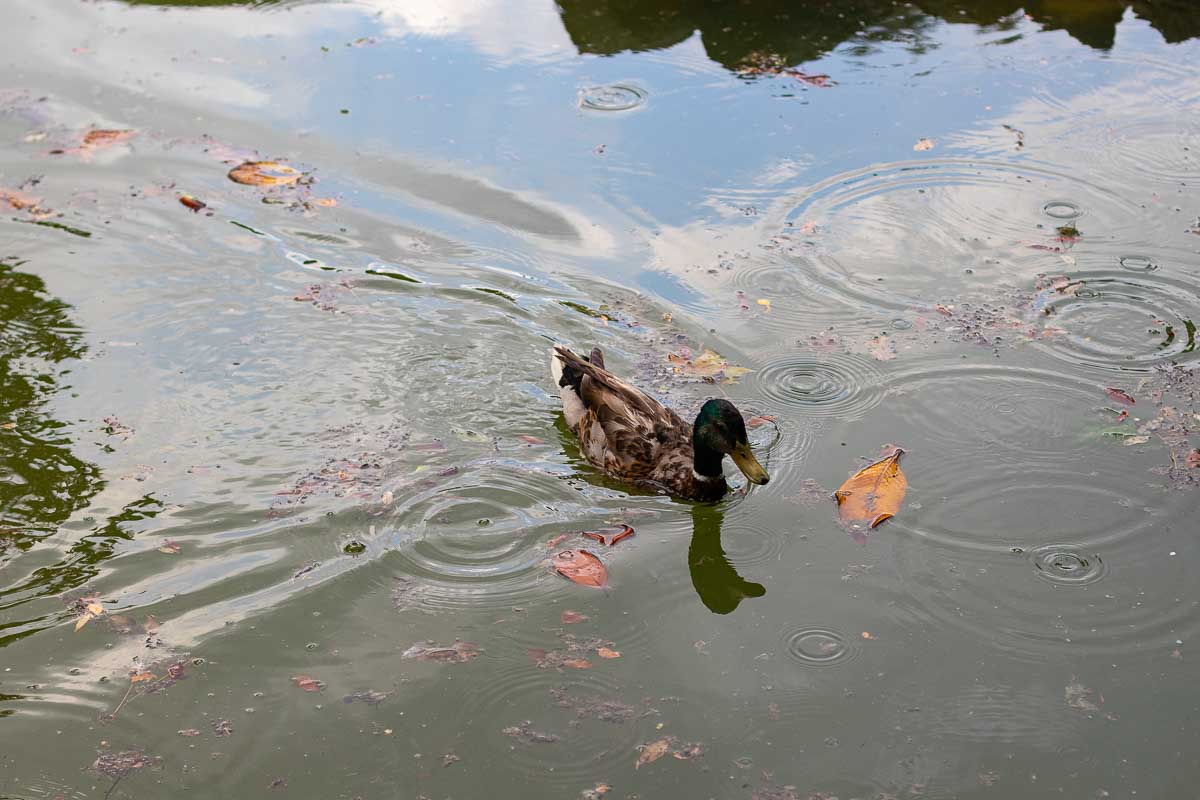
[874, 493]
[709, 366]
[581, 567]
[193, 203]
[1119, 395]
[264, 173]
[610, 536]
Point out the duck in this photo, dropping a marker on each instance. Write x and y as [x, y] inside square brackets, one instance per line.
[637, 440]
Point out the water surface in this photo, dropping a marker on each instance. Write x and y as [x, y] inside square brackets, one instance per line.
[301, 448]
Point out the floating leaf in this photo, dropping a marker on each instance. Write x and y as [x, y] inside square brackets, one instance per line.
[169, 547]
[605, 652]
[1133, 440]
[572, 617]
[882, 348]
[760, 420]
[192, 203]
[709, 366]
[766, 304]
[874, 493]
[100, 138]
[264, 173]
[1193, 459]
[610, 536]
[531, 439]
[143, 675]
[1119, 395]
[577, 663]
[308, 684]
[923, 145]
[90, 612]
[457, 653]
[581, 567]
[654, 751]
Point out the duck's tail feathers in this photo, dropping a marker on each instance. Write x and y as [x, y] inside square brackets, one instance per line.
[568, 377]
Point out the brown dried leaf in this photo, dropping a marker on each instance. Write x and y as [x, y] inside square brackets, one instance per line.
[605, 652]
[1119, 395]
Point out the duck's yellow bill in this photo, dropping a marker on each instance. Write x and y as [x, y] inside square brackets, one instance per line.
[748, 464]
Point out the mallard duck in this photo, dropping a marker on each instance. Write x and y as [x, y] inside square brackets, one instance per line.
[636, 439]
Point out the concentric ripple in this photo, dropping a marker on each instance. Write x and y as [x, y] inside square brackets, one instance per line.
[1113, 320]
[481, 541]
[566, 706]
[817, 646]
[841, 385]
[917, 232]
[1067, 565]
[614, 97]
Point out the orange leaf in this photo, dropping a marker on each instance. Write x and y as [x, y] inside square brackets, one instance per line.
[577, 663]
[610, 536]
[308, 684]
[873, 494]
[138, 677]
[98, 138]
[604, 652]
[581, 567]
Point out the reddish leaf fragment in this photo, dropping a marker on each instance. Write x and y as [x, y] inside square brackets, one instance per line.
[1193, 459]
[581, 567]
[577, 663]
[169, 547]
[557, 540]
[760, 420]
[610, 536]
[606, 652]
[192, 202]
[1120, 396]
[572, 617]
[308, 684]
[531, 439]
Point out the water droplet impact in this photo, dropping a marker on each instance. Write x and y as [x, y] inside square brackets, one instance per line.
[840, 385]
[1067, 564]
[1138, 264]
[817, 646]
[1061, 209]
[901, 324]
[617, 97]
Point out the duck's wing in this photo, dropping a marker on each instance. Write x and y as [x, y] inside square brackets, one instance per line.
[621, 428]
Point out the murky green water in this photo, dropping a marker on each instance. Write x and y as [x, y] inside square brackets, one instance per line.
[259, 456]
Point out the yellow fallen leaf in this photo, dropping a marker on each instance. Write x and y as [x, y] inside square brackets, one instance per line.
[604, 652]
[653, 752]
[766, 304]
[92, 611]
[874, 493]
[138, 677]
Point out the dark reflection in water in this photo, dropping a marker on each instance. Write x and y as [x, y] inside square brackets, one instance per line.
[42, 482]
[720, 587]
[736, 34]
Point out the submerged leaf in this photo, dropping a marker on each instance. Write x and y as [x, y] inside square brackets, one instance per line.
[654, 751]
[610, 536]
[457, 653]
[873, 494]
[1119, 395]
[581, 567]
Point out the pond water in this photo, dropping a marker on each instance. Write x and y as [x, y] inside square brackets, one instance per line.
[283, 465]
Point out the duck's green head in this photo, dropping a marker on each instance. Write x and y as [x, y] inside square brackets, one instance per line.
[720, 429]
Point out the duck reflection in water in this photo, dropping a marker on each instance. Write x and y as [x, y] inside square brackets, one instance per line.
[720, 587]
